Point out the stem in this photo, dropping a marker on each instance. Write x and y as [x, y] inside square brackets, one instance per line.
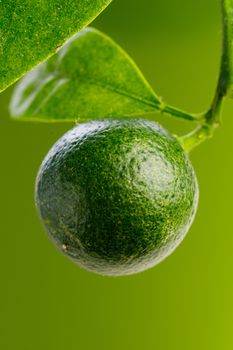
[212, 119]
[180, 114]
[226, 70]
[196, 137]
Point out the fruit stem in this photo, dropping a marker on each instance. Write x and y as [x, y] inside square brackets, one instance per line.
[211, 120]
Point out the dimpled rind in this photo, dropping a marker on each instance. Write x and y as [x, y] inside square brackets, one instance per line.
[117, 196]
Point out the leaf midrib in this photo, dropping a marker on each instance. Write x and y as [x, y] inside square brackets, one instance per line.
[157, 105]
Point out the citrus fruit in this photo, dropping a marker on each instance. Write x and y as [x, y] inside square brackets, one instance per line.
[117, 196]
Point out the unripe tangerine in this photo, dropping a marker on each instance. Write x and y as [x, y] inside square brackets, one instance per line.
[117, 196]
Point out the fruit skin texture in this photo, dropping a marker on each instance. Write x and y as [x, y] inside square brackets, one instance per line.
[117, 196]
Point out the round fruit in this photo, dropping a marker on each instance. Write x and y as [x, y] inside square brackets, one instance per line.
[117, 196]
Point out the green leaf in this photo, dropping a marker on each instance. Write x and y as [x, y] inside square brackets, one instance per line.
[89, 78]
[31, 31]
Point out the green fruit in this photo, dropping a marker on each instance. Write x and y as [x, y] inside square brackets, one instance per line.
[117, 196]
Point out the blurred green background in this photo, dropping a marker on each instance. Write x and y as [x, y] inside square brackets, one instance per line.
[187, 301]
